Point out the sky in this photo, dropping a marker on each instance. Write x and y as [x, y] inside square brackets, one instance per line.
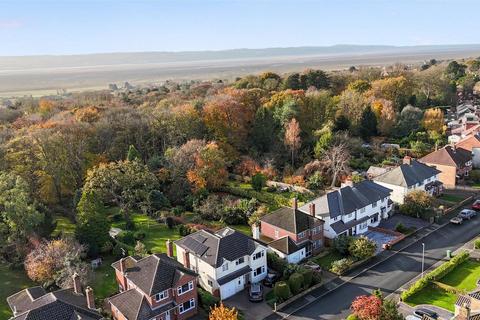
[32, 27]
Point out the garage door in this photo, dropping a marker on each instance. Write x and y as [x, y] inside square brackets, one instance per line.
[230, 288]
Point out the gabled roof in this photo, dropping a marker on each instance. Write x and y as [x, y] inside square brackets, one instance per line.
[291, 220]
[407, 175]
[155, 273]
[133, 305]
[284, 245]
[448, 156]
[35, 304]
[214, 248]
[470, 142]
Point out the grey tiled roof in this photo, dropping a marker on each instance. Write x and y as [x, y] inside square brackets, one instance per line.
[214, 248]
[407, 175]
[291, 220]
[154, 273]
[31, 304]
[284, 245]
[234, 275]
[133, 305]
[341, 226]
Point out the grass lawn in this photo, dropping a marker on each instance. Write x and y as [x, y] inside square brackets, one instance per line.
[245, 229]
[156, 234]
[435, 296]
[452, 198]
[103, 280]
[11, 281]
[64, 226]
[326, 261]
[464, 276]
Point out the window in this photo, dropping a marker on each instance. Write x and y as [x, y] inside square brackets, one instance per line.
[225, 266]
[363, 225]
[240, 261]
[258, 271]
[210, 283]
[374, 204]
[301, 234]
[276, 233]
[161, 296]
[317, 244]
[315, 230]
[258, 255]
[184, 307]
[185, 288]
[362, 210]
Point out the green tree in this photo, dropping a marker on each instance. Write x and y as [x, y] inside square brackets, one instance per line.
[417, 203]
[455, 70]
[390, 311]
[368, 124]
[292, 81]
[341, 123]
[258, 181]
[133, 153]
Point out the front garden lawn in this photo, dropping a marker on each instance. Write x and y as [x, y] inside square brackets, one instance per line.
[11, 281]
[464, 276]
[452, 198]
[326, 261]
[435, 296]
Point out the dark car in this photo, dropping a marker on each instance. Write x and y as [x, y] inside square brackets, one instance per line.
[270, 279]
[425, 312]
[476, 205]
[255, 293]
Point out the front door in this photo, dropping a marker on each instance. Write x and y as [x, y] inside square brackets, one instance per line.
[167, 315]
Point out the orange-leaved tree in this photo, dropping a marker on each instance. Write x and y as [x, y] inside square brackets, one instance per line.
[221, 312]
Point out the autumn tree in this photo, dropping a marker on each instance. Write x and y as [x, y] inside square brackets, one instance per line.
[396, 89]
[222, 312]
[336, 160]
[351, 104]
[417, 204]
[367, 307]
[360, 85]
[210, 168]
[368, 124]
[386, 116]
[433, 120]
[292, 137]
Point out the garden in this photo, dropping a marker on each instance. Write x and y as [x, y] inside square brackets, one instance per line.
[441, 286]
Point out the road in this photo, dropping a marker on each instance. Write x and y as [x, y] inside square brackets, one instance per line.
[387, 276]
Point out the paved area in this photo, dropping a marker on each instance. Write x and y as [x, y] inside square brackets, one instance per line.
[407, 221]
[251, 310]
[388, 271]
[379, 238]
[443, 314]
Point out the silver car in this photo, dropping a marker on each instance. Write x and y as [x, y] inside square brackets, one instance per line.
[467, 214]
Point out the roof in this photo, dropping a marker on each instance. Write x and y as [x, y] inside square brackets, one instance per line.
[35, 304]
[284, 245]
[341, 226]
[155, 273]
[374, 171]
[448, 156]
[407, 175]
[470, 142]
[133, 305]
[234, 275]
[348, 199]
[215, 247]
[291, 220]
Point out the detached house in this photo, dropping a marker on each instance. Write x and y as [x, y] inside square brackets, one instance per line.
[452, 162]
[295, 235]
[350, 210]
[472, 144]
[155, 287]
[411, 175]
[36, 304]
[226, 260]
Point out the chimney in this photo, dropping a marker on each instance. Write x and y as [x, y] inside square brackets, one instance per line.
[295, 203]
[123, 266]
[77, 286]
[464, 313]
[169, 248]
[407, 160]
[186, 259]
[90, 298]
[312, 209]
[255, 231]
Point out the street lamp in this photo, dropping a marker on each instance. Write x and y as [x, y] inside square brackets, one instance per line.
[423, 257]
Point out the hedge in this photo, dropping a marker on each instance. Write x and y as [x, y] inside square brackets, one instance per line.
[437, 274]
[295, 282]
[282, 291]
[476, 244]
[307, 277]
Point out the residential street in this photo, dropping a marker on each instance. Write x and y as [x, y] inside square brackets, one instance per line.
[388, 275]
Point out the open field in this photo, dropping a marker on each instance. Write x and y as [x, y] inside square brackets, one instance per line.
[40, 75]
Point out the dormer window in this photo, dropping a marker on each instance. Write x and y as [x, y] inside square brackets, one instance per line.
[240, 261]
[161, 296]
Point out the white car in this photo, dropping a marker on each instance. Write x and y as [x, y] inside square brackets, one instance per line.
[412, 317]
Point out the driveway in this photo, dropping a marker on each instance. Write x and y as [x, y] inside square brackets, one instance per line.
[443, 314]
[388, 271]
[251, 310]
[407, 221]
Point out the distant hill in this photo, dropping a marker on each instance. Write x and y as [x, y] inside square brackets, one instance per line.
[35, 74]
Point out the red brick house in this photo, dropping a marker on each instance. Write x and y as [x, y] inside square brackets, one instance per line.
[295, 234]
[155, 287]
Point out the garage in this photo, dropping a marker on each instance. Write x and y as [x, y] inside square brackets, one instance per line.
[229, 289]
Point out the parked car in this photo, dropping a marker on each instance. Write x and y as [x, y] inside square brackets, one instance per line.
[425, 312]
[270, 279]
[412, 317]
[255, 293]
[467, 214]
[313, 266]
[476, 205]
[456, 220]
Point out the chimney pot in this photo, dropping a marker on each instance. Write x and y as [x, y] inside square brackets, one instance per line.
[295, 203]
[169, 248]
[186, 259]
[123, 266]
[77, 286]
[90, 298]
[312, 209]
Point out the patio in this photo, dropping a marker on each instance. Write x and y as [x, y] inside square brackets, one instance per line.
[380, 238]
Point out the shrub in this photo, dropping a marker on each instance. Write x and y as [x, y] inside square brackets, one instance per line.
[352, 317]
[400, 228]
[476, 244]
[417, 203]
[341, 244]
[340, 266]
[316, 181]
[129, 224]
[362, 248]
[118, 252]
[258, 181]
[295, 282]
[276, 263]
[307, 277]
[117, 217]
[206, 300]
[474, 175]
[282, 291]
[126, 237]
[139, 235]
[184, 230]
[177, 211]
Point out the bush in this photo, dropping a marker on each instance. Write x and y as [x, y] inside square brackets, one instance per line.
[129, 224]
[340, 266]
[119, 251]
[126, 237]
[206, 300]
[282, 291]
[307, 277]
[117, 217]
[401, 228]
[474, 176]
[295, 282]
[341, 243]
[184, 230]
[352, 317]
[417, 203]
[259, 181]
[276, 263]
[177, 211]
[362, 248]
[139, 235]
[476, 244]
